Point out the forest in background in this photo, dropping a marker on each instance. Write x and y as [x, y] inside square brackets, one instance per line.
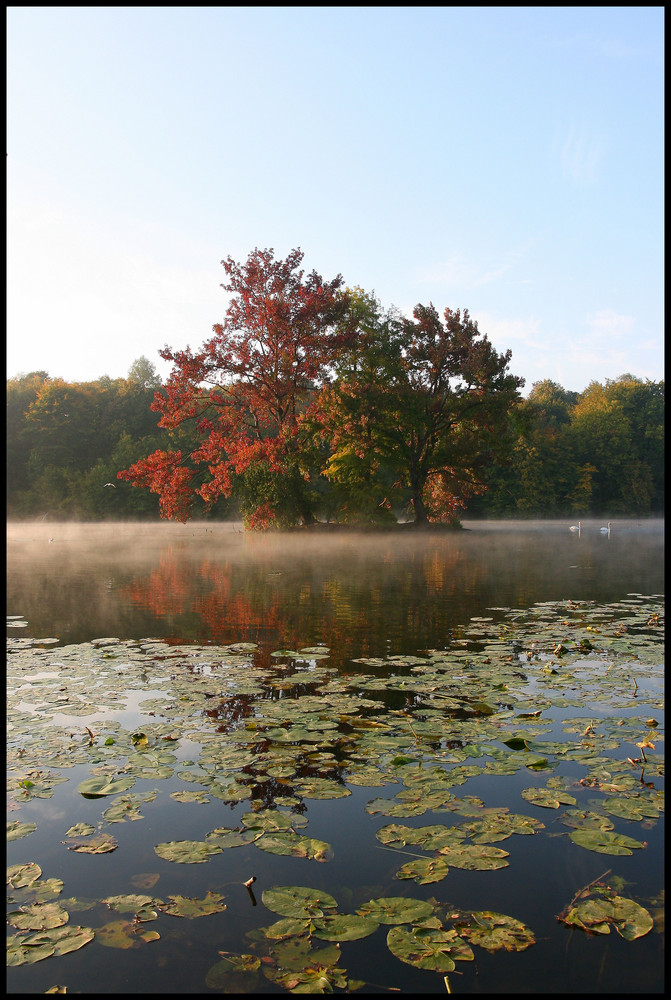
[597, 452]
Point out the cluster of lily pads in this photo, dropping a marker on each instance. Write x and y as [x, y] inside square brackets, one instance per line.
[276, 731]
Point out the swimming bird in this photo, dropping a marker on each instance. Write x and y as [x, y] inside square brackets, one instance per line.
[605, 531]
[575, 527]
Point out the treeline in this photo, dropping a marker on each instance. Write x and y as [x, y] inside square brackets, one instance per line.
[67, 440]
[591, 453]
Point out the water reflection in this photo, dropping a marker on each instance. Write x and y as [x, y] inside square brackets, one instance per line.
[359, 594]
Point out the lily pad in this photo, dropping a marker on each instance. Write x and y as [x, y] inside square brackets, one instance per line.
[39, 916]
[343, 927]
[605, 842]
[187, 852]
[17, 830]
[596, 916]
[189, 907]
[102, 844]
[298, 901]
[94, 788]
[426, 948]
[396, 910]
[496, 931]
[288, 842]
[27, 949]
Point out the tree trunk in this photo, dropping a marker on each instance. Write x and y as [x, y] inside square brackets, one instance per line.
[419, 508]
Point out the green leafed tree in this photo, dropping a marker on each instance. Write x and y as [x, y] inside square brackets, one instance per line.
[420, 414]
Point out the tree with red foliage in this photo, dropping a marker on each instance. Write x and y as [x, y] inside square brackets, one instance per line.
[246, 388]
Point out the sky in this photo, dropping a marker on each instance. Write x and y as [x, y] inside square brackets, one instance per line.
[504, 160]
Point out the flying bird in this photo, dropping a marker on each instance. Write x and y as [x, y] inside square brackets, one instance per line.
[111, 484]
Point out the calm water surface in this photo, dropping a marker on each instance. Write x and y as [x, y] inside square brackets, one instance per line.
[360, 595]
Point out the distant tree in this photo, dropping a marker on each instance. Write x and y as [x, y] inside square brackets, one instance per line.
[144, 374]
[246, 388]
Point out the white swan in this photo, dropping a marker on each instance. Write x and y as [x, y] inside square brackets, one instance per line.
[606, 531]
[575, 527]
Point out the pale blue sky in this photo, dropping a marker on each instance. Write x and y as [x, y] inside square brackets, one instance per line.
[504, 160]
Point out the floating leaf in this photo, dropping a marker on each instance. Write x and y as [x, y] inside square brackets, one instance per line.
[298, 901]
[102, 844]
[548, 798]
[596, 916]
[17, 830]
[343, 927]
[425, 870]
[93, 788]
[26, 949]
[396, 910]
[288, 842]
[429, 838]
[80, 830]
[187, 852]
[23, 875]
[604, 842]
[189, 907]
[494, 931]
[128, 903]
[426, 948]
[39, 916]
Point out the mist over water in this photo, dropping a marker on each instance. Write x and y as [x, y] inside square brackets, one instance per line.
[363, 593]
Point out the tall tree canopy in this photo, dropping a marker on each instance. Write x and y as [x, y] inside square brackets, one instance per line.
[248, 384]
[420, 413]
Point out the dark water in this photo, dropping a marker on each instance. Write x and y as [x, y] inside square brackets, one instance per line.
[360, 595]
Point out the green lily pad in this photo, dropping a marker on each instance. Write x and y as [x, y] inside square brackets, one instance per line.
[23, 875]
[39, 916]
[93, 788]
[343, 927]
[298, 901]
[424, 870]
[102, 844]
[80, 830]
[586, 820]
[429, 838]
[17, 830]
[396, 910]
[27, 949]
[187, 906]
[596, 916]
[496, 931]
[187, 852]
[605, 842]
[548, 798]
[288, 842]
[128, 903]
[426, 948]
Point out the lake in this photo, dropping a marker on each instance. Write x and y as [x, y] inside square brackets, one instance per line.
[420, 746]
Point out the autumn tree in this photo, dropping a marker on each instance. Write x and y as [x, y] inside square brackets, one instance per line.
[425, 405]
[246, 388]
